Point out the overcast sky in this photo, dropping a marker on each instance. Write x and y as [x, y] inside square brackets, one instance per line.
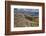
[25, 10]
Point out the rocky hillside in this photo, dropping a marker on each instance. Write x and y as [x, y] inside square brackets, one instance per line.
[21, 20]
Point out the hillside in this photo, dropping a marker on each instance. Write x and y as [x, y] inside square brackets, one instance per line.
[22, 20]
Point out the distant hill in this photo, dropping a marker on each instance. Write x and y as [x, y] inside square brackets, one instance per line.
[29, 13]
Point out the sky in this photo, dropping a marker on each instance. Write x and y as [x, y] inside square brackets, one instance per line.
[25, 10]
[34, 12]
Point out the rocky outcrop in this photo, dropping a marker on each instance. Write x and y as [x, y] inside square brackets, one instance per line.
[21, 20]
